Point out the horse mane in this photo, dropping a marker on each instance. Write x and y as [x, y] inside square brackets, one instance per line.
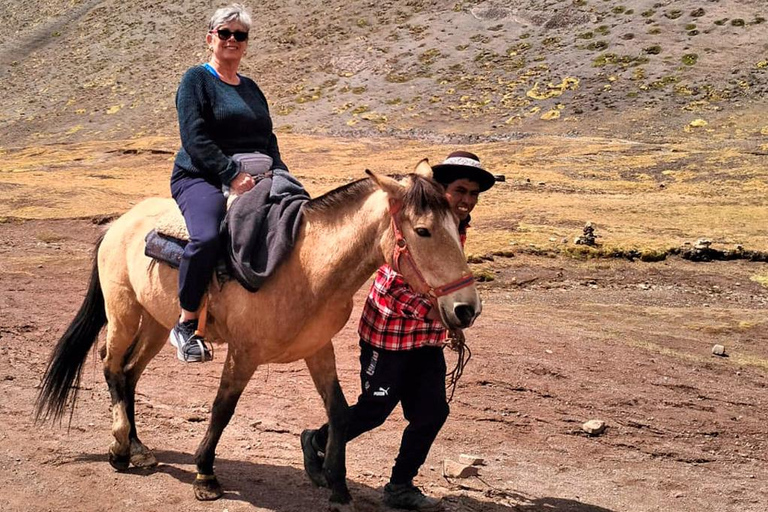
[423, 195]
[340, 196]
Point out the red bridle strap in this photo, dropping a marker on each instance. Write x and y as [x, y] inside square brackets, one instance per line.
[401, 250]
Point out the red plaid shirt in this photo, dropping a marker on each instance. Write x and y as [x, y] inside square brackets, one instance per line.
[394, 315]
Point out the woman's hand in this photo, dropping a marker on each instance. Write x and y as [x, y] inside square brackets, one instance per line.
[242, 183]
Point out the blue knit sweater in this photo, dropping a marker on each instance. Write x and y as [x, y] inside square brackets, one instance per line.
[217, 120]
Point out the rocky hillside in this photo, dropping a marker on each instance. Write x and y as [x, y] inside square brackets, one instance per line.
[479, 70]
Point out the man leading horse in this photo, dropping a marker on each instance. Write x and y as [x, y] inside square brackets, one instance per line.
[401, 358]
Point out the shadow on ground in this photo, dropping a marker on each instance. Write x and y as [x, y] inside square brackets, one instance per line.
[286, 489]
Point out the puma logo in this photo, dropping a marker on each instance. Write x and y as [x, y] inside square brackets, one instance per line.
[381, 392]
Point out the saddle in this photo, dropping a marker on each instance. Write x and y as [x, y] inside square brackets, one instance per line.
[166, 242]
[258, 232]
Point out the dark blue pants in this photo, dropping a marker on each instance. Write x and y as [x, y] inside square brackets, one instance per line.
[203, 205]
[416, 379]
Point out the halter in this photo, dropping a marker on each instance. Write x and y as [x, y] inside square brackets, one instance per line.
[401, 250]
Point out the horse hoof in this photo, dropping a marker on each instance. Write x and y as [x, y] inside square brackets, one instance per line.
[341, 502]
[119, 462]
[141, 456]
[207, 488]
[144, 460]
[341, 507]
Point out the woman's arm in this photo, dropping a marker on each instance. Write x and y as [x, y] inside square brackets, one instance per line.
[274, 151]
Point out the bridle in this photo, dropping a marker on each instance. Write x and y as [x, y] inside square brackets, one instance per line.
[401, 251]
[457, 341]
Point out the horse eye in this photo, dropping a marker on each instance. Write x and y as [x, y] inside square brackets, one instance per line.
[423, 232]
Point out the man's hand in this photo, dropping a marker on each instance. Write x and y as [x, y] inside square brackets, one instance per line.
[242, 183]
[434, 314]
[456, 338]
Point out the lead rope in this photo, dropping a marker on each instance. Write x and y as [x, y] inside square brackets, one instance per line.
[458, 343]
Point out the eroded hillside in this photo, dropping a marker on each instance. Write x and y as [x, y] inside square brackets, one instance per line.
[79, 70]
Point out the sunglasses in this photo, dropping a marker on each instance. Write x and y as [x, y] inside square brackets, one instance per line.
[224, 34]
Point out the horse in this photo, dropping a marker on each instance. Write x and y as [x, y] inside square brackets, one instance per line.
[344, 236]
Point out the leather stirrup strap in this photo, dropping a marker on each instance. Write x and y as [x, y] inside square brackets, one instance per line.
[201, 320]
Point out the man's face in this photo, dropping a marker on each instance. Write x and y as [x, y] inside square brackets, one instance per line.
[462, 195]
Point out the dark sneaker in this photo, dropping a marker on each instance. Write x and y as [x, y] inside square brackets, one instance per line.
[313, 459]
[190, 348]
[409, 497]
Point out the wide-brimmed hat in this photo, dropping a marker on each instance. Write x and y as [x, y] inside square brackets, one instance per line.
[463, 164]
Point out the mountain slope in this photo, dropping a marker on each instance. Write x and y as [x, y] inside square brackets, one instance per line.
[75, 70]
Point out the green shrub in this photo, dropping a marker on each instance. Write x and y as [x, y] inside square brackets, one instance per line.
[689, 59]
[597, 46]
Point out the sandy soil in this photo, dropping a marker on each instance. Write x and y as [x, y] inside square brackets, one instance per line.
[560, 342]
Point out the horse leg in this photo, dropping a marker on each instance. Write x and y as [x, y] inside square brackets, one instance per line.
[123, 322]
[238, 369]
[322, 367]
[152, 337]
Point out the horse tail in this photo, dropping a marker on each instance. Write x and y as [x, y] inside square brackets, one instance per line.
[61, 381]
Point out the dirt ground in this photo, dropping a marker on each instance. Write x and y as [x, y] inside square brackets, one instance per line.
[560, 342]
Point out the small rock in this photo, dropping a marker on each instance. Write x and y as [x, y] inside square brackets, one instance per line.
[548, 351]
[472, 460]
[718, 350]
[453, 469]
[594, 427]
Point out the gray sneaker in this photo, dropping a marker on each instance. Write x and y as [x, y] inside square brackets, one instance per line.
[313, 459]
[409, 497]
[190, 347]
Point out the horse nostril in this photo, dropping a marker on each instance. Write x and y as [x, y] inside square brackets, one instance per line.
[465, 314]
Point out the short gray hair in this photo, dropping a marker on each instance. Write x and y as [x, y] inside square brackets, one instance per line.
[228, 14]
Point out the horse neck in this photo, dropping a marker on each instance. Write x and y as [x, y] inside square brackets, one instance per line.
[341, 247]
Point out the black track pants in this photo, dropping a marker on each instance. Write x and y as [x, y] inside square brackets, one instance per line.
[416, 379]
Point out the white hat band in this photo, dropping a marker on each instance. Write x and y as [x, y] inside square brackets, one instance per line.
[461, 160]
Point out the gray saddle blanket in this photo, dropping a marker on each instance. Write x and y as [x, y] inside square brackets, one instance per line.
[258, 233]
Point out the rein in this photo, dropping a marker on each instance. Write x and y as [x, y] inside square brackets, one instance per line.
[401, 251]
[458, 344]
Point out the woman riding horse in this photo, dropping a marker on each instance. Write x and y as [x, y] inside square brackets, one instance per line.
[344, 237]
[222, 115]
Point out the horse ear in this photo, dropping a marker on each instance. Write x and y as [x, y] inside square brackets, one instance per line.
[391, 186]
[424, 169]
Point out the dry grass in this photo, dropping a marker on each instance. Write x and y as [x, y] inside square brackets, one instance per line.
[554, 186]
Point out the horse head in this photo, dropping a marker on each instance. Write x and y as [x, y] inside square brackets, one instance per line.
[423, 245]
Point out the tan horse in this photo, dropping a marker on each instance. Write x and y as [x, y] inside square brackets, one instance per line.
[345, 235]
